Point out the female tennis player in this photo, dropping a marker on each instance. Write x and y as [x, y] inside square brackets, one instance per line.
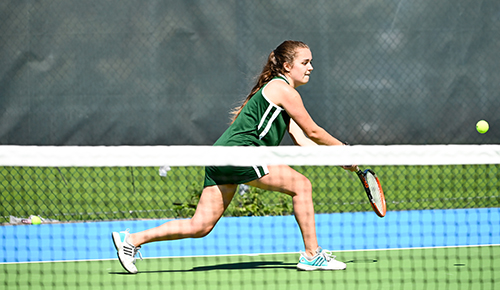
[273, 107]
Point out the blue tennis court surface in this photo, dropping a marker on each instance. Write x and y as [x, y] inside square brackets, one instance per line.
[255, 235]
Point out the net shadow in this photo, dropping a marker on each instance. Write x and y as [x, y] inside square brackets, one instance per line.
[226, 266]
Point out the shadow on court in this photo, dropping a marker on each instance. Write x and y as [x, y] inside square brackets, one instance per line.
[363, 260]
[228, 266]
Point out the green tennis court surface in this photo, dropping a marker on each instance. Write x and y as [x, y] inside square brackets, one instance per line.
[432, 268]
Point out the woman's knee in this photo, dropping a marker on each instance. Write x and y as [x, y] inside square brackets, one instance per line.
[303, 187]
[200, 231]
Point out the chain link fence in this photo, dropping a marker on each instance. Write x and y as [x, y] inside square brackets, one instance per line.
[114, 193]
[168, 72]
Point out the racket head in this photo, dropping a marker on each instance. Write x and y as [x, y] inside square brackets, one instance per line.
[374, 191]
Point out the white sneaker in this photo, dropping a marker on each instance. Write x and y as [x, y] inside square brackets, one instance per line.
[323, 260]
[126, 251]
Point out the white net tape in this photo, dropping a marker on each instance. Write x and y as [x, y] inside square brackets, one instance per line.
[98, 156]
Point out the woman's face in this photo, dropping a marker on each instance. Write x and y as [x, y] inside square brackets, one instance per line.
[300, 70]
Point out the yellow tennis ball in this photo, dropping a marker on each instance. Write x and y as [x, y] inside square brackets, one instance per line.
[482, 126]
[35, 220]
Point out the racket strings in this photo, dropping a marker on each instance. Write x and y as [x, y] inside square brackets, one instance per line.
[375, 190]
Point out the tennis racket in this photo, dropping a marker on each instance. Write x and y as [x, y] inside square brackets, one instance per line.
[373, 190]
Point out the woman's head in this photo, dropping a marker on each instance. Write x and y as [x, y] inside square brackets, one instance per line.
[299, 70]
[283, 57]
[281, 62]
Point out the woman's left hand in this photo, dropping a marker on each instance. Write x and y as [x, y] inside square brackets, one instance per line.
[352, 168]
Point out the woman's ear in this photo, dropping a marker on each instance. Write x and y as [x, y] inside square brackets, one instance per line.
[287, 67]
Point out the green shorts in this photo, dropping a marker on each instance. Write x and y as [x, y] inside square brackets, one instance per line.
[219, 175]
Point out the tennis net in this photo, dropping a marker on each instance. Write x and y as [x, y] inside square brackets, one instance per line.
[442, 228]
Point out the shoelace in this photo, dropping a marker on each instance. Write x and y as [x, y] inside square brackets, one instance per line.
[136, 251]
[328, 255]
[132, 251]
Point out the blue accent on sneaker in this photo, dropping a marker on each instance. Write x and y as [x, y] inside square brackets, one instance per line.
[318, 261]
[122, 236]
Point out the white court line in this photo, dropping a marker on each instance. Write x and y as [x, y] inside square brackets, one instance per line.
[257, 254]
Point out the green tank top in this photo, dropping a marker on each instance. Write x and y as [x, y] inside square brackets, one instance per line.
[260, 123]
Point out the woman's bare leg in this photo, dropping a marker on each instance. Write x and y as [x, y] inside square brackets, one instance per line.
[283, 178]
[213, 202]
